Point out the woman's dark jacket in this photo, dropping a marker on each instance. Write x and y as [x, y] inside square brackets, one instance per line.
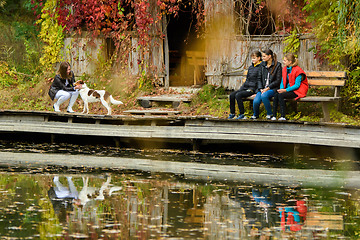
[275, 77]
[251, 78]
[59, 84]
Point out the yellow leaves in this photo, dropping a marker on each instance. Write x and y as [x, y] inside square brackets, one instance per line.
[52, 35]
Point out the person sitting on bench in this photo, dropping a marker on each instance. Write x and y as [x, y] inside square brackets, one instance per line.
[294, 84]
[269, 79]
[247, 89]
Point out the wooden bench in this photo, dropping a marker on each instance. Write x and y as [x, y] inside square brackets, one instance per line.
[335, 79]
[152, 112]
[174, 99]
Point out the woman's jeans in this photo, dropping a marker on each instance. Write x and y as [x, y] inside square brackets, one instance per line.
[265, 98]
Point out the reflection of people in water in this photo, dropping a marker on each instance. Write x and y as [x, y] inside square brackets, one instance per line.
[260, 208]
[293, 217]
[62, 197]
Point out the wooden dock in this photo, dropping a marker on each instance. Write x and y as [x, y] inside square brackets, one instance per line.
[195, 130]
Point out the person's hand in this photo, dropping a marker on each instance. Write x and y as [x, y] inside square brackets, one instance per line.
[253, 95]
[77, 87]
[264, 90]
[281, 90]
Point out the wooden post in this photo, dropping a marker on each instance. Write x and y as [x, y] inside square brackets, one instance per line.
[196, 69]
[117, 142]
[296, 151]
[196, 144]
[337, 94]
[166, 210]
[166, 53]
[52, 138]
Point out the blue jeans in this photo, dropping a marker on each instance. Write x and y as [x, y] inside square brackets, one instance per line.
[265, 98]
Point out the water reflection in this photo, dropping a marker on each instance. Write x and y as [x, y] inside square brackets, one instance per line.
[145, 206]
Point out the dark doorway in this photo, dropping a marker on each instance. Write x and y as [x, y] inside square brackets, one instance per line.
[184, 47]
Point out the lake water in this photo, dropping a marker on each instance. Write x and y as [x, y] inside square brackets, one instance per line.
[79, 203]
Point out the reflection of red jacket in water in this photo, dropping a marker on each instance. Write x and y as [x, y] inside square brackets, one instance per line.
[294, 214]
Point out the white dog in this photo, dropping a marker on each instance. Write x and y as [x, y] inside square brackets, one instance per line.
[90, 95]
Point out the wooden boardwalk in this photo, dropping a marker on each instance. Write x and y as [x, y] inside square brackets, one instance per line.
[197, 130]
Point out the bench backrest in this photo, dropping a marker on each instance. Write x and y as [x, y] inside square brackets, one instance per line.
[334, 79]
[326, 78]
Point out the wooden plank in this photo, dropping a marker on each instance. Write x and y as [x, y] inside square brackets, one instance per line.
[152, 112]
[315, 99]
[167, 98]
[326, 74]
[326, 82]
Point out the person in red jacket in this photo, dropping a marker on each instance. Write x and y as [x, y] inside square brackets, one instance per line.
[294, 85]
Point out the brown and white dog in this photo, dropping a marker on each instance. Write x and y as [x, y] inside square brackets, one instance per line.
[90, 95]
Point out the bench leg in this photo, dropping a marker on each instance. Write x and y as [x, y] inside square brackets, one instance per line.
[294, 106]
[326, 112]
[338, 105]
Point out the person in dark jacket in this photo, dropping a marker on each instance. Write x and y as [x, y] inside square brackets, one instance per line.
[63, 88]
[269, 79]
[248, 88]
[294, 84]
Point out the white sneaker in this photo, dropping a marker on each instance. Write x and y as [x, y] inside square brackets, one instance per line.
[268, 117]
[253, 117]
[273, 118]
[282, 119]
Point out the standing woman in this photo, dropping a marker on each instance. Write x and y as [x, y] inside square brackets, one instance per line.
[248, 88]
[269, 79]
[294, 84]
[63, 87]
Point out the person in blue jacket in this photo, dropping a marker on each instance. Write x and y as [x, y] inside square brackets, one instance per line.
[247, 89]
[269, 79]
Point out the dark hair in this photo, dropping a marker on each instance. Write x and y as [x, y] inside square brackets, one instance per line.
[273, 56]
[63, 70]
[256, 54]
[291, 57]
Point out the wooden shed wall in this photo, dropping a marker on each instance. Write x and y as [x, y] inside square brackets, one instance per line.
[227, 59]
[83, 53]
[84, 57]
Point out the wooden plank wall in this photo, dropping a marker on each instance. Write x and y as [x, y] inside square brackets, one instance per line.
[226, 69]
[83, 53]
[84, 56]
